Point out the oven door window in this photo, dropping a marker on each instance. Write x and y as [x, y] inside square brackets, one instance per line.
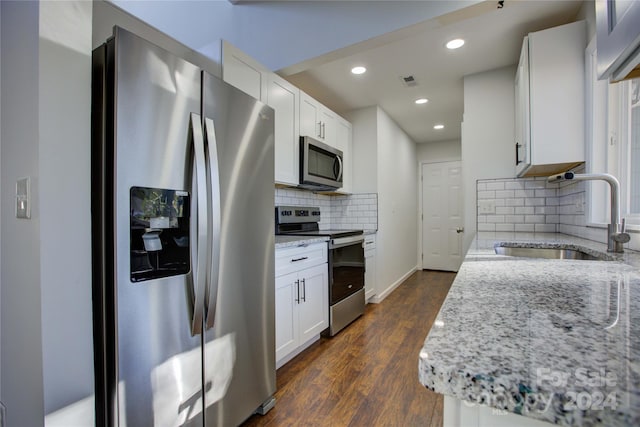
[347, 271]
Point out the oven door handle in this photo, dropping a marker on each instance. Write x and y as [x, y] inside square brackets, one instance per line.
[345, 241]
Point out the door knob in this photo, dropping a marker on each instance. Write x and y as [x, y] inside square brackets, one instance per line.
[460, 230]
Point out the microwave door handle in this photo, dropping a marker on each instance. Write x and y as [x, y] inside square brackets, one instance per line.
[198, 271]
[340, 166]
[214, 217]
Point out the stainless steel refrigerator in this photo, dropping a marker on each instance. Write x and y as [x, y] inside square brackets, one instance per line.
[183, 242]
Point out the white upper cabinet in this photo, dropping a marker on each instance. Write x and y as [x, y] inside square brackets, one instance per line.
[344, 142]
[618, 38]
[549, 103]
[244, 72]
[316, 120]
[296, 114]
[522, 110]
[284, 98]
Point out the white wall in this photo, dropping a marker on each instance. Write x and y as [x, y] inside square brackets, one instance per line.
[65, 201]
[365, 149]
[384, 162]
[487, 135]
[441, 151]
[106, 15]
[397, 236]
[0, 193]
[264, 29]
[47, 354]
[21, 389]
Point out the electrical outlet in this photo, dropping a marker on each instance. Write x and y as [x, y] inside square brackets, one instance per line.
[487, 206]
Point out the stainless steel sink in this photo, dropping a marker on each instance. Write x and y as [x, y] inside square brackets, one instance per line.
[548, 253]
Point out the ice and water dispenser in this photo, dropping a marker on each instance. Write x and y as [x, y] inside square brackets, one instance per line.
[159, 233]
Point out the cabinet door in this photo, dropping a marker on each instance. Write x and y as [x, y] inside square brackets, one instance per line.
[283, 97]
[243, 72]
[344, 143]
[522, 147]
[369, 274]
[314, 301]
[286, 314]
[327, 126]
[309, 116]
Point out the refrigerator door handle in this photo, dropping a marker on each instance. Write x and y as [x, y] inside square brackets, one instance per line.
[198, 268]
[214, 217]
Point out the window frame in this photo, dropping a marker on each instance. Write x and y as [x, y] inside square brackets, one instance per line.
[607, 143]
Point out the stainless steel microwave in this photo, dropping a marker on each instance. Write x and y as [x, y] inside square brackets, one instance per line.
[321, 165]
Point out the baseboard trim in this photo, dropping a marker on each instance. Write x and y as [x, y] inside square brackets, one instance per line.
[382, 295]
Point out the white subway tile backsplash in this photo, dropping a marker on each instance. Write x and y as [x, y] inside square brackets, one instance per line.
[357, 211]
[528, 205]
[529, 228]
[545, 193]
[495, 185]
[514, 185]
[486, 194]
[545, 228]
[525, 210]
[505, 210]
[553, 219]
[495, 218]
[505, 194]
[534, 201]
[546, 210]
[524, 193]
[534, 219]
[514, 202]
[514, 219]
[486, 227]
[535, 184]
[505, 227]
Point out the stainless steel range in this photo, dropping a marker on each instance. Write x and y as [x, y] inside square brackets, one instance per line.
[346, 262]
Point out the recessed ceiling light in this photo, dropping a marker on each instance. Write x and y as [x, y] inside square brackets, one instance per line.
[422, 101]
[455, 44]
[358, 70]
[438, 127]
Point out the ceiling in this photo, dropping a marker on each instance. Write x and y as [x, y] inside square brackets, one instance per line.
[493, 40]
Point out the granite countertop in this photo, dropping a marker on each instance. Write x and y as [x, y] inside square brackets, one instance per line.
[289, 241]
[555, 340]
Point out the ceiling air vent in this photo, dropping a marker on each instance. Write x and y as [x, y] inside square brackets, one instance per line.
[409, 81]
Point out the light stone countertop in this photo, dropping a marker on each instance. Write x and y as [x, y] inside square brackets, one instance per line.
[555, 340]
[291, 241]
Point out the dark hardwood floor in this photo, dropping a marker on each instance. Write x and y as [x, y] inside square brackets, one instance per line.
[367, 375]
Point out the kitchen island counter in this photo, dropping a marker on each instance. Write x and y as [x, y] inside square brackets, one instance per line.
[553, 340]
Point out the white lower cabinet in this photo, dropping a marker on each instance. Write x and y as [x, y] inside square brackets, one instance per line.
[369, 266]
[302, 300]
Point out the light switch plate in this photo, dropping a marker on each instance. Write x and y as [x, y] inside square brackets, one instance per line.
[23, 198]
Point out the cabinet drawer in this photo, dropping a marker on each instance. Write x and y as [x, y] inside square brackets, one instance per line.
[297, 258]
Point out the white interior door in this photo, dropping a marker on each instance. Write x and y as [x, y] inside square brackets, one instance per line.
[442, 216]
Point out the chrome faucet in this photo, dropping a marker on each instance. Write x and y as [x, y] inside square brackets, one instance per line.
[616, 235]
